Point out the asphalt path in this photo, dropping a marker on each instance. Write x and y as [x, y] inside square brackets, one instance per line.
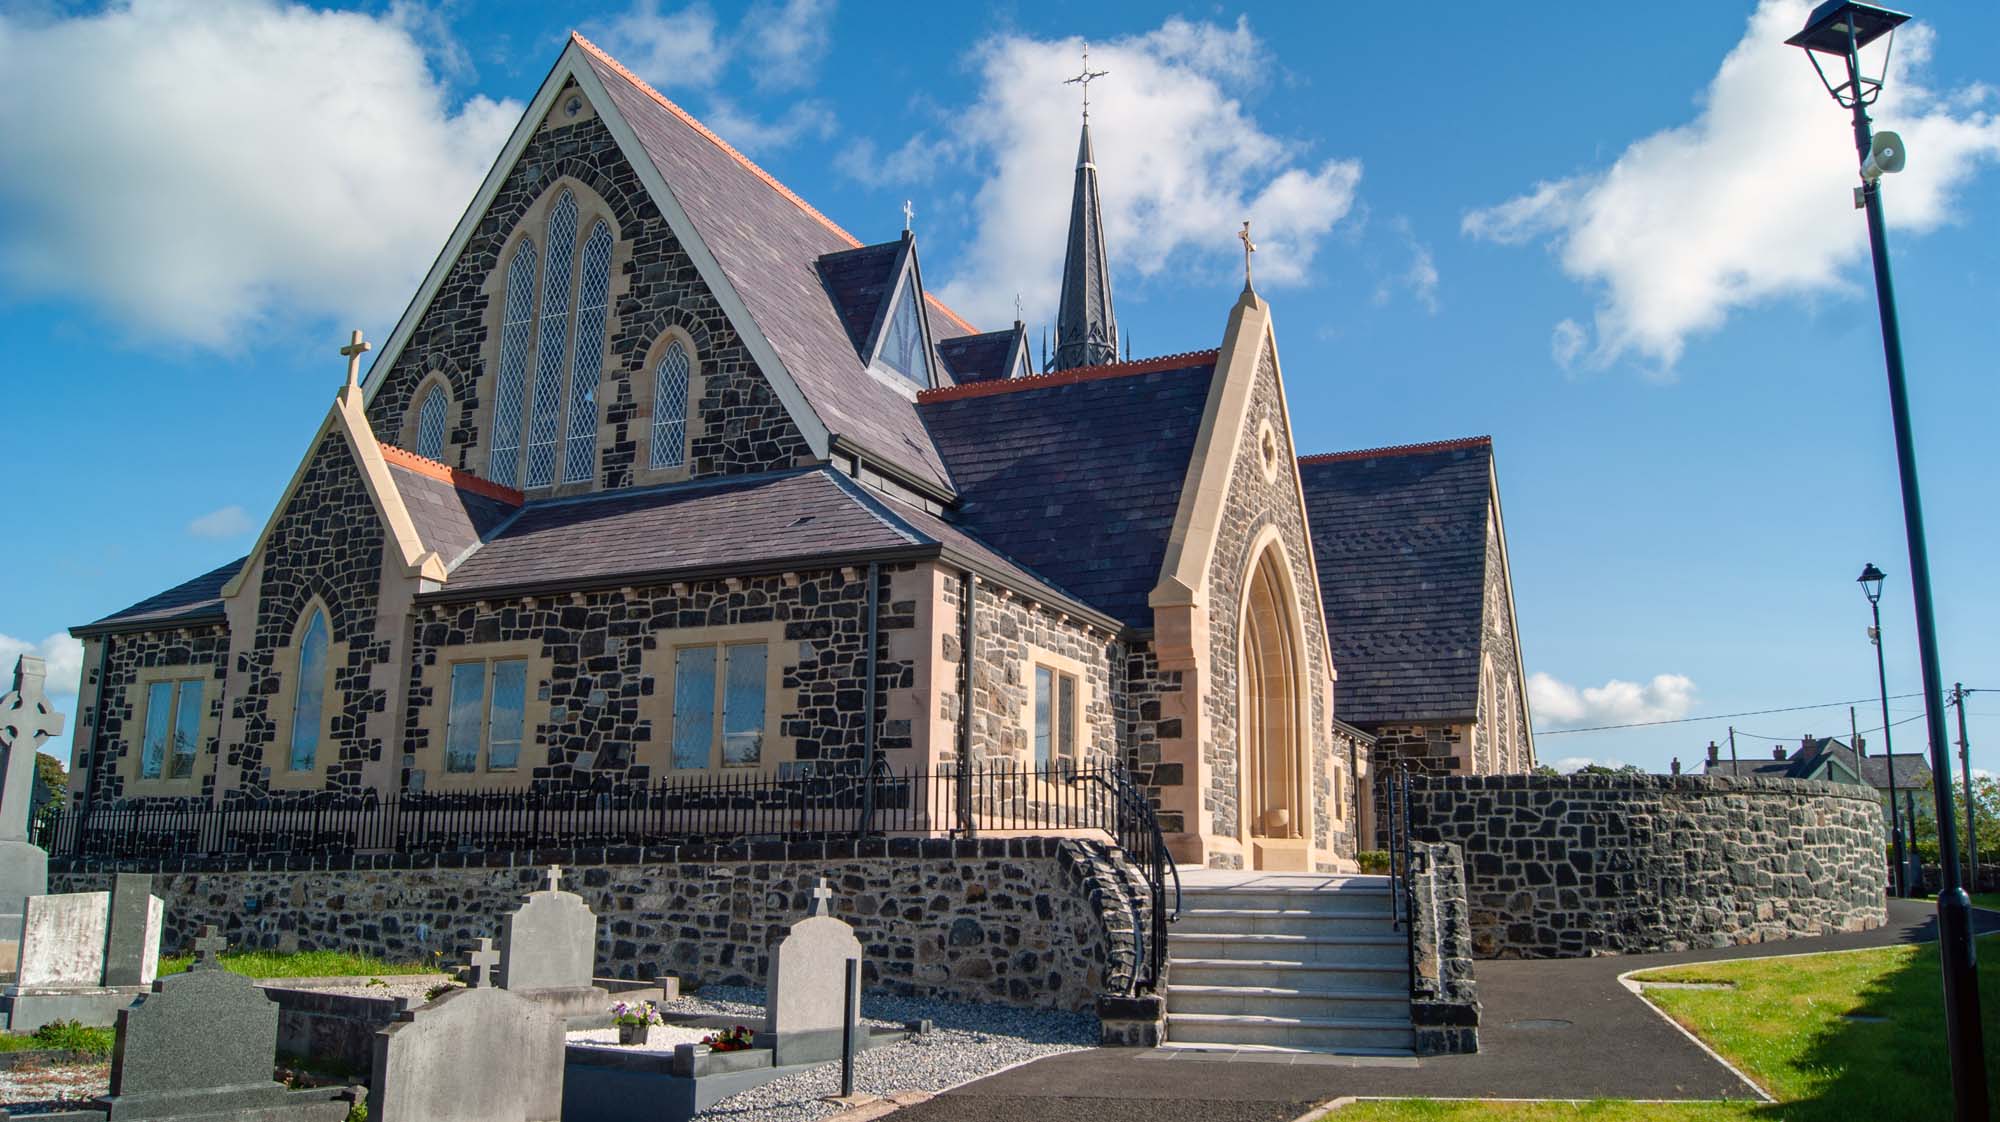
[1550, 1029]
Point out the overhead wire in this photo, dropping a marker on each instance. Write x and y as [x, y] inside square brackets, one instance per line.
[1726, 716]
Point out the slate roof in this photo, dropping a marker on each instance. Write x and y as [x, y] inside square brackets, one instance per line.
[858, 281]
[769, 242]
[1077, 475]
[1399, 535]
[733, 522]
[449, 520]
[979, 358]
[197, 599]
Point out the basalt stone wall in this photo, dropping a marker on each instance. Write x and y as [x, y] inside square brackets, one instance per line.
[1033, 922]
[203, 650]
[1444, 999]
[1575, 865]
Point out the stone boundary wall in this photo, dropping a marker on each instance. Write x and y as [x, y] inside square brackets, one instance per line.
[1576, 865]
[1037, 922]
[1444, 998]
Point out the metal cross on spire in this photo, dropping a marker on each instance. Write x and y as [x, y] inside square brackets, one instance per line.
[909, 213]
[1249, 247]
[1084, 79]
[356, 346]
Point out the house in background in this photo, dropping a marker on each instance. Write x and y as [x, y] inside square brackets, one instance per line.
[1825, 757]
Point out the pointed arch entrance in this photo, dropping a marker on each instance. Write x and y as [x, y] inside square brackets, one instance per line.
[1271, 722]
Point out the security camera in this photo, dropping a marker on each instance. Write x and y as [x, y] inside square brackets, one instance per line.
[1884, 156]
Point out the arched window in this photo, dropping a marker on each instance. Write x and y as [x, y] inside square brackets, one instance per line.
[430, 423]
[580, 447]
[545, 423]
[670, 405]
[514, 340]
[310, 704]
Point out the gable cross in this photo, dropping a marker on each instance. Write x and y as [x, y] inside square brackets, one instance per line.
[356, 346]
[206, 948]
[555, 878]
[822, 899]
[909, 212]
[483, 960]
[1085, 79]
[1249, 247]
[26, 721]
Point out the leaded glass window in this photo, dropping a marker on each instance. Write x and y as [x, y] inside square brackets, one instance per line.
[719, 719]
[310, 704]
[492, 720]
[515, 337]
[580, 446]
[172, 732]
[552, 344]
[187, 730]
[670, 406]
[430, 424]
[159, 717]
[1055, 728]
[904, 350]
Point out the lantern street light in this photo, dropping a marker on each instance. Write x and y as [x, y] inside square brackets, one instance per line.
[1871, 586]
[1839, 29]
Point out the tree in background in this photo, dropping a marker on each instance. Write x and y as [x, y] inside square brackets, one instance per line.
[1985, 820]
[51, 779]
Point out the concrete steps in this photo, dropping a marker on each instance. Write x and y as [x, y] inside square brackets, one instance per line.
[1290, 962]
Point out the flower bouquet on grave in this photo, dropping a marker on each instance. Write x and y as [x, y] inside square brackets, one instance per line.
[635, 1021]
[729, 1040]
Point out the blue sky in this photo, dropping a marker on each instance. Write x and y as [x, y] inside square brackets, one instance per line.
[1621, 245]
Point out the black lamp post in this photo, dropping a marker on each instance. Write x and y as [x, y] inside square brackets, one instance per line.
[1871, 586]
[1840, 29]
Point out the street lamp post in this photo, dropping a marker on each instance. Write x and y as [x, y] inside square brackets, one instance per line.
[1871, 585]
[1840, 29]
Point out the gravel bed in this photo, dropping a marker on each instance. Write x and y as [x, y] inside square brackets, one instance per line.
[392, 985]
[52, 1087]
[969, 1041]
[661, 1039]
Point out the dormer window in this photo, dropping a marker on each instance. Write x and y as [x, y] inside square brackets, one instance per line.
[903, 347]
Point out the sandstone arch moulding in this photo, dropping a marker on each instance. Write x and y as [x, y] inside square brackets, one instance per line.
[1275, 717]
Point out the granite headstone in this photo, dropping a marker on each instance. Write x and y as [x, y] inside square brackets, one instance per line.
[548, 947]
[808, 996]
[479, 1054]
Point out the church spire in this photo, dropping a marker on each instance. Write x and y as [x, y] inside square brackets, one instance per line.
[1086, 328]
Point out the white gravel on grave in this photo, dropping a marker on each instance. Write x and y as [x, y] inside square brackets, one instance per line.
[968, 1042]
[53, 1087]
[390, 985]
[661, 1039]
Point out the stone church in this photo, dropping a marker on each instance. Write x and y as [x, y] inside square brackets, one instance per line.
[663, 473]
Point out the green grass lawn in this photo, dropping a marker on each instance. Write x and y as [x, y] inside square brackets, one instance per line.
[302, 964]
[1786, 1023]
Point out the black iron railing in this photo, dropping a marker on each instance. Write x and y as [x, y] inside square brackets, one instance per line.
[1400, 854]
[676, 810]
[1138, 833]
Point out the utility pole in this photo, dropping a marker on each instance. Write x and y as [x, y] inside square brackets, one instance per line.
[1732, 751]
[1965, 770]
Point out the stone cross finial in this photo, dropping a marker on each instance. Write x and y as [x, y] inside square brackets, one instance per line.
[555, 878]
[207, 947]
[1249, 247]
[482, 960]
[356, 346]
[26, 721]
[1085, 79]
[822, 904]
[909, 212]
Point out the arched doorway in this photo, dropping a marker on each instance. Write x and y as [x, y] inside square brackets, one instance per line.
[1272, 729]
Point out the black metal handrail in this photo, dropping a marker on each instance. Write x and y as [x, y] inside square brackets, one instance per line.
[1145, 845]
[1401, 856]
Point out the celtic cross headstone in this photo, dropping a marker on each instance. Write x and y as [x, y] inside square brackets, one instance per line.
[27, 721]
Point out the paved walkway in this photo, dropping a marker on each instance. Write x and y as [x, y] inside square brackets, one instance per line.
[1552, 1028]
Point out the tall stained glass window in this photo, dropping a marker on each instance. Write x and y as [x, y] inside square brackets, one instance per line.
[552, 343]
[430, 424]
[593, 294]
[670, 406]
[310, 706]
[516, 335]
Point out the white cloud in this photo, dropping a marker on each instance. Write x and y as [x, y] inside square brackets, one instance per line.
[1419, 279]
[1181, 162]
[227, 522]
[678, 48]
[1751, 199]
[1566, 342]
[63, 654]
[203, 169]
[786, 43]
[1557, 704]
